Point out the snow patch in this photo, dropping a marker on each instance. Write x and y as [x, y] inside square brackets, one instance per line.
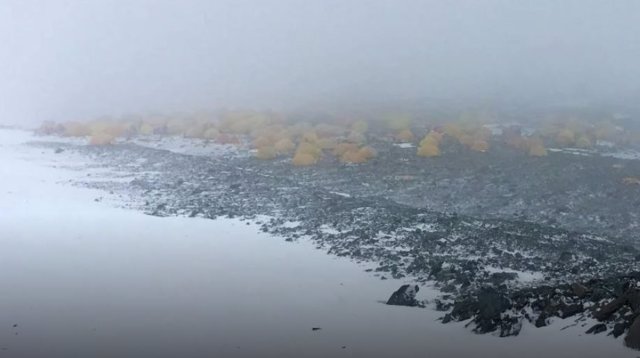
[190, 146]
[326, 229]
[523, 276]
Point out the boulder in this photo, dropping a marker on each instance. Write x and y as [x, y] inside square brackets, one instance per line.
[567, 311]
[618, 329]
[566, 257]
[579, 290]
[541, 321]
[510, 326]
[597, 328]
[498, 278]
[487, 308]
[609, 309]
[405, 296]
[631, 297]
[632, 340]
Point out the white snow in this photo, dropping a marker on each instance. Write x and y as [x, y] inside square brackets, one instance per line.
[596, 238]
[327, 229]
[190, 146]
[428, 227]
[523, 276]
[604, 143]
[624, 154]
[291, 224]
[404, 145]
[628, 154]
[84, 279]
[574, 151]
[495, 128]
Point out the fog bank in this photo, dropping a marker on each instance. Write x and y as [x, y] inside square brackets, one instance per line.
[72, 59]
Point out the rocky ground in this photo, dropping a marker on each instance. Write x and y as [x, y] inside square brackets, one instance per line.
[503, 236]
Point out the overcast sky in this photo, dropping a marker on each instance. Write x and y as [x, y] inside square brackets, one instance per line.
[70, 59]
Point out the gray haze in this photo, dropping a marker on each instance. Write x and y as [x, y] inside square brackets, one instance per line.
[70, 59]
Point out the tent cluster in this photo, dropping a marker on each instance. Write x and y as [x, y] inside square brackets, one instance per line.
[308, 143]
[580, 134]
[430, 144]
[103, 131]
[273, 135]
[471, 135]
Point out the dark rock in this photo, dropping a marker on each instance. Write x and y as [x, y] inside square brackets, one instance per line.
[463, 309]
[442, 306]
[565, 257]
[491, 303]
[405, 296]
[567, 311]
[630, 299]
[497, 278]
[541, 321]
[618, 329]
[610, 308]
[436, 267]
[451, 288]
[632, 340]
[597, 328]
[419, 264]
[633, 299]
[599, 294]
[58, 150]
[510, 326]
[579, 290]
[486, 308]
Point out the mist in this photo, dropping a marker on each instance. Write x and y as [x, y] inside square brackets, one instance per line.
[319, 178]
[62, 60]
